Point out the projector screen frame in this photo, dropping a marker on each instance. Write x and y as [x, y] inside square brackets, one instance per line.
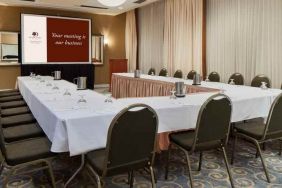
[59, 17]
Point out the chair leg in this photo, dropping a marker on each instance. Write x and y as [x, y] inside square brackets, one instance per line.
[200, 161]
[152, 177]
[189, 168]
[233, 149]
[263, 146]
[50, 170]
[131, 179]
[99, 183]
[167, 162]
[227, 166]
[128, 177]
[262, 161]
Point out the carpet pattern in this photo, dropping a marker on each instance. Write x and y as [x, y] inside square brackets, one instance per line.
[247, 171]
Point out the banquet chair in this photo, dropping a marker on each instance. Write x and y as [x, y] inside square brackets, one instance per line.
[14, 111]
[15, 120]
[215, 114]
[260, 133]
[163, 72]
[237, 78]
[131, 145]
[152, 71]
[13, 104]
[178, 74]
[256, 82]
[11, 98]
[29, 152]
[17, 127]
[9, 91]
[214, 77]
[191, 74]
[7, 94]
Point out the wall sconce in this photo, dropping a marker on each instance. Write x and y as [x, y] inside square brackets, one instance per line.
[106, 42]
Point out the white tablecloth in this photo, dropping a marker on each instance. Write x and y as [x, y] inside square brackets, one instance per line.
[79, 128]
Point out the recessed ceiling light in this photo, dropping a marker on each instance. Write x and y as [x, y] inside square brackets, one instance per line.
[120, 8]
[111, 3]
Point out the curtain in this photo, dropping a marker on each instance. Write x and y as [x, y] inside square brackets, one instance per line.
[183, 35]
[245, 36]
[151, 36]
[131, 40]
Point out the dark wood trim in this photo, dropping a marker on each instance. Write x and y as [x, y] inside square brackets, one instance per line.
[204, 41]
[137, 34]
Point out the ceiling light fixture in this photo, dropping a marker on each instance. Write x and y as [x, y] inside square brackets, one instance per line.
[111, 3]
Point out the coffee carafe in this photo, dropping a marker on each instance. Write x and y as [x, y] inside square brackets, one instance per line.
[197, 79]
[56, 75]
[179, 89]
[137, 73]
[81, 82]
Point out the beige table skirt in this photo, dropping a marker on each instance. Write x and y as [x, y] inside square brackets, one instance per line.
[126, 87]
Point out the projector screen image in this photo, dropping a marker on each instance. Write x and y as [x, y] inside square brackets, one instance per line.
[50, 39]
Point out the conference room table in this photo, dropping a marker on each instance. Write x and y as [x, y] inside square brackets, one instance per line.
[81, 127]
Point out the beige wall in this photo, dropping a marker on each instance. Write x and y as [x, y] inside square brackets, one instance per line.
[8, 75]
[113, 27]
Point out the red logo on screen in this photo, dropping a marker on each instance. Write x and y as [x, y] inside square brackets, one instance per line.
[35, 34]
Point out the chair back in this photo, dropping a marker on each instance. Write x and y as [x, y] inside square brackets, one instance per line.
[256, 82]
[163, 72]
[191, 74]
[152, 70]
[214, 77]
[178, 74]
[213, 123]
[2, 141]
[238, 79]
[131, 138]
[274, 119]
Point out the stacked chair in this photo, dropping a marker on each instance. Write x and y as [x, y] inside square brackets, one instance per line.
[22, 141]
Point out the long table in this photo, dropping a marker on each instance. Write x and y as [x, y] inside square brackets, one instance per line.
[124, 85]
[79, 128]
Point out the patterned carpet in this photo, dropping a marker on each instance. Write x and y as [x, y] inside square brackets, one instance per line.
[247, 171]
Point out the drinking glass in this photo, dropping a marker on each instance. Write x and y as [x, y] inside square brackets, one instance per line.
[207, 79]
[109, 98]
[55, 87]
[48, 84]
[67, 92]
[263, 85]
[81, 99]
[232, 82]
[42, 80]
[184, 89]
[172, 96]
